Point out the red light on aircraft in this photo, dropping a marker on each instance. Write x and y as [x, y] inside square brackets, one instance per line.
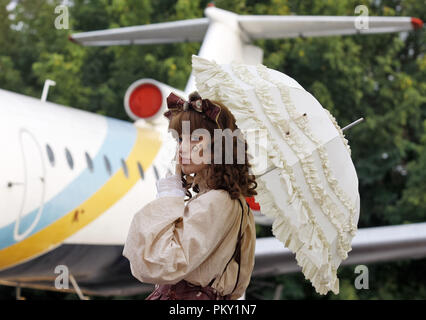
[70, 38]
[417, 23]
[145, 100]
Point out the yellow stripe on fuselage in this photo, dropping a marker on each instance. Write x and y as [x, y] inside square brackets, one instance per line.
[144, 150]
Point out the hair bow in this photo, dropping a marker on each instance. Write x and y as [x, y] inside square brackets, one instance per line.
[176, 103]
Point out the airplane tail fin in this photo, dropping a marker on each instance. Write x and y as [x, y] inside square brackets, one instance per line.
[190, 30]
[279, 27]
[251, 26]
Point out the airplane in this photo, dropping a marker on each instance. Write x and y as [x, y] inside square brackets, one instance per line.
[72, 180]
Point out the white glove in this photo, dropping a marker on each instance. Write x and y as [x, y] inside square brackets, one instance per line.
[170, 186]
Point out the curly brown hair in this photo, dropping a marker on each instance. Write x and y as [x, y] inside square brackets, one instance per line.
[233, 177]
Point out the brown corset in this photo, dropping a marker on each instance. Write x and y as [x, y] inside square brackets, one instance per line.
[184, 290]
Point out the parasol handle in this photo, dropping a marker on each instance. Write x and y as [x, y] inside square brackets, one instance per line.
[345, 128]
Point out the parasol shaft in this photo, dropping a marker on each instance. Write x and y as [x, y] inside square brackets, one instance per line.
[353, 124]
[345, 128]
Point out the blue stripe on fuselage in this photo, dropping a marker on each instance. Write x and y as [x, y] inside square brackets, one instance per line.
[118, 143]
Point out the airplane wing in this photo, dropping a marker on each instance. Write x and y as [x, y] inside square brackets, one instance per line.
[279, 27]
[167, 32]
[102, 270]
[370, 245]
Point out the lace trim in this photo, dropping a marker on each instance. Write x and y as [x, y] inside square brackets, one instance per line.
[307, 162]
[216, 84]
[323, 278]
[301, 122]
[342, 136]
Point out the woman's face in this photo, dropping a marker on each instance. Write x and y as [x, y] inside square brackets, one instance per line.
[190, 154]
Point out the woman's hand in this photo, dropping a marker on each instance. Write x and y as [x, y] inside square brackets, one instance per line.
[171, 184]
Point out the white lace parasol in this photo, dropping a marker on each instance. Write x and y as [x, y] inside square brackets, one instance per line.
[312, 194]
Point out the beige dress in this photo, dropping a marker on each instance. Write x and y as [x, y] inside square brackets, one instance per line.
[170, 240]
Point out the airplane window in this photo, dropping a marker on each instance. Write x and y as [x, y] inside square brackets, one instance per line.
[50, 155]
[107, 165]
[89, 162]
[124, 165]
[69, 158]
[156, 173]
[140, 170]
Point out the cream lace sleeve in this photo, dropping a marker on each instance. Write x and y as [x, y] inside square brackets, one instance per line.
[167, 240]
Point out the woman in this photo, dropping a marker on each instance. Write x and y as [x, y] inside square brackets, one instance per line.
[205, 249]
